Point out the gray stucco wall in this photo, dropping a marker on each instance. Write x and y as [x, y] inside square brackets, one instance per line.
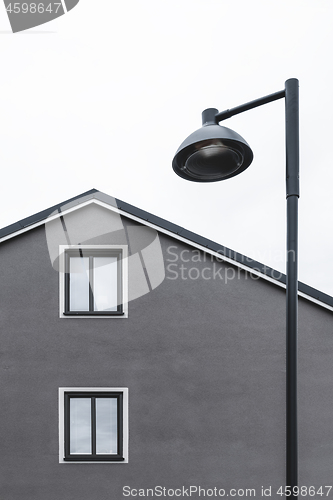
[204, 361]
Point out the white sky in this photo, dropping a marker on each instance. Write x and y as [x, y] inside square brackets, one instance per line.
[103, 96]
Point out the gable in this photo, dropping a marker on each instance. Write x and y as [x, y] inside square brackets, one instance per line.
[65, 222]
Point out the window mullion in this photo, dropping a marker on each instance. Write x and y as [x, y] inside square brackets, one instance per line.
[91, 283]
[93, 425]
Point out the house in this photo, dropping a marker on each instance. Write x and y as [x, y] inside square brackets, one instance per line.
[140, 359]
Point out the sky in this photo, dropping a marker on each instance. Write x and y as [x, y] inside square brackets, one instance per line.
[103, 96]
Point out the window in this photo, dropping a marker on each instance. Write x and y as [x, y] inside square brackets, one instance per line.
[93, 281]
[93, 424]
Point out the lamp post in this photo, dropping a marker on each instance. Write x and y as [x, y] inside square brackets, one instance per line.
[215, 153]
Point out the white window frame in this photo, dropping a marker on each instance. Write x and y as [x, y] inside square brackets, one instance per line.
[124, 262]
[61, 406]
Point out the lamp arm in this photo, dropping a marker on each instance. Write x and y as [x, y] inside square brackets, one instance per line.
[292, 128]
[223, 115]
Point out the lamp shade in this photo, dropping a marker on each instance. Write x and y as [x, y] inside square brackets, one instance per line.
[212, 153]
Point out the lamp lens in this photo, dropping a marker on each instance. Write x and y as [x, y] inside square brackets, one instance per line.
[213, 162]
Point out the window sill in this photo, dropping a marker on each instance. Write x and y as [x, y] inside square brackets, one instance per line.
[91, 460]
[93, 314]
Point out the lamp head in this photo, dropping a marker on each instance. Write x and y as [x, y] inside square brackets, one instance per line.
[212, 153]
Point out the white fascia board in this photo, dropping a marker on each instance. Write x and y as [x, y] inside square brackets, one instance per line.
[315, 301]
[48, 219]
[169, 233]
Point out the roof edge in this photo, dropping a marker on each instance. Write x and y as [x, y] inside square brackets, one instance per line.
[39, 216]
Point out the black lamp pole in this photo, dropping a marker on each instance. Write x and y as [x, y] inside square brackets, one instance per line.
[215, 153]
[292, 179]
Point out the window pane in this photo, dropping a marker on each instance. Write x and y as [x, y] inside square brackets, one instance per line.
[80, 426]
[79, 283]
[106, 425]
[105, 283]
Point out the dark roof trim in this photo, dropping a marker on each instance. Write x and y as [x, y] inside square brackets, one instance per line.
[173, 228]
[224, 251]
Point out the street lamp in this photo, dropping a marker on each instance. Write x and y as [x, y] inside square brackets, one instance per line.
[214, 153]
